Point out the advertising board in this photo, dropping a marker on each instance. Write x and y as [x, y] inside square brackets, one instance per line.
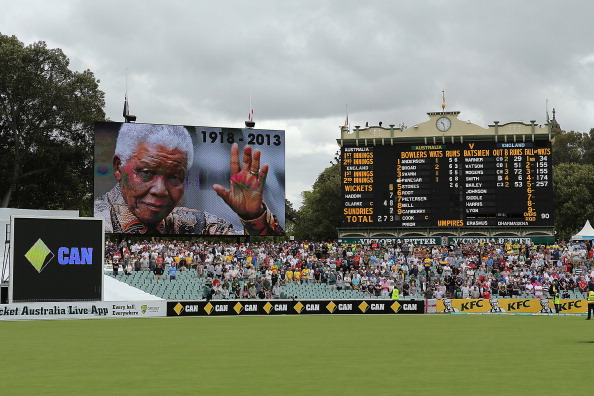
[295, 307]
[83, 310]
[56, 259]
[509, 305]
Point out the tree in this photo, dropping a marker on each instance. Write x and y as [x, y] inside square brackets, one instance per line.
[319, 216]
[588, 142]
[290, 216]
[574, 197]
[47, 113]
[568, 147]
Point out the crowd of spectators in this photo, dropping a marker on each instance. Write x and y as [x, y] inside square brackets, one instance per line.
[471, 270]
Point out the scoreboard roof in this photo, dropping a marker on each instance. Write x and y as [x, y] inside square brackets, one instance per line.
[444, 126]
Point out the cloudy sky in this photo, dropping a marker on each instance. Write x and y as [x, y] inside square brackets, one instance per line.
[304, 62]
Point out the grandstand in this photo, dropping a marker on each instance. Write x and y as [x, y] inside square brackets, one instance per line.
[356, 271]
[189, 286]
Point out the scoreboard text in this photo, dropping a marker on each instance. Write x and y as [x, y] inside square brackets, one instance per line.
[479, 184]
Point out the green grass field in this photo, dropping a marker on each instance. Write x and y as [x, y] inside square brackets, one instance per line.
[299, 355]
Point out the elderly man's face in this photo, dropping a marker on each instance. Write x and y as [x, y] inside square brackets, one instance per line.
[152, 181]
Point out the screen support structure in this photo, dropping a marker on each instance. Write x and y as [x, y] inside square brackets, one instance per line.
[6, 256]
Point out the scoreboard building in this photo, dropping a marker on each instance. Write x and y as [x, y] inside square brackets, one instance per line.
[447, 178]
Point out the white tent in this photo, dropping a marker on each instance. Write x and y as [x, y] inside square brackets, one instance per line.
[586, 233]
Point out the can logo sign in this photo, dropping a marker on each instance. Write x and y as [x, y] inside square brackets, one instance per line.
[75, 255]
[39, 255]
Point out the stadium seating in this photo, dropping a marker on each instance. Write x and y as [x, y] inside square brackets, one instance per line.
[188, 286]
[376, 268]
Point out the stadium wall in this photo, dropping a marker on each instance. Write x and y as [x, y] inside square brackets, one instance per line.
[140, 309]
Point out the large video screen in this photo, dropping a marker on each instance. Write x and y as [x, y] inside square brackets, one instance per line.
[170, 179]
[469, 184]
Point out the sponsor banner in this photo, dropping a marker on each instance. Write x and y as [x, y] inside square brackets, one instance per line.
[294, 307]
[83, 310]
[502, 240]
[393, 240]
[509, 305]
[56, 259]
[439, 240]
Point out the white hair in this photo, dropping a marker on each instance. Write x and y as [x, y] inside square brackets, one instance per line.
[169, 136]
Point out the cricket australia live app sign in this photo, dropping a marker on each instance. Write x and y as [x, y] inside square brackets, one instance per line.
[56, 259]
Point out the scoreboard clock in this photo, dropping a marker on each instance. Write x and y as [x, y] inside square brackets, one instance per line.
[443, 124]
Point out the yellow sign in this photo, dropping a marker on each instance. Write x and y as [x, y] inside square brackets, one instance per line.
[509, 305]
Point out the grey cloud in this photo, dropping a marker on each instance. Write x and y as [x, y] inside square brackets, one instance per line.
[303, 61]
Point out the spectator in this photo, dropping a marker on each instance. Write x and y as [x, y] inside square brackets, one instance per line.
[538, 290]
[128, 270]
[158, 271]
[172, 271]
[465, 290]
[276, 291]
[144, 263]
[486, 294]
[252, 290]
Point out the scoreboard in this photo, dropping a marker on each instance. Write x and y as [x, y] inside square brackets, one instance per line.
[461, 184]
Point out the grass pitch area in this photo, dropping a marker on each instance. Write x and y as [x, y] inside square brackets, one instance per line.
[300, 355]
